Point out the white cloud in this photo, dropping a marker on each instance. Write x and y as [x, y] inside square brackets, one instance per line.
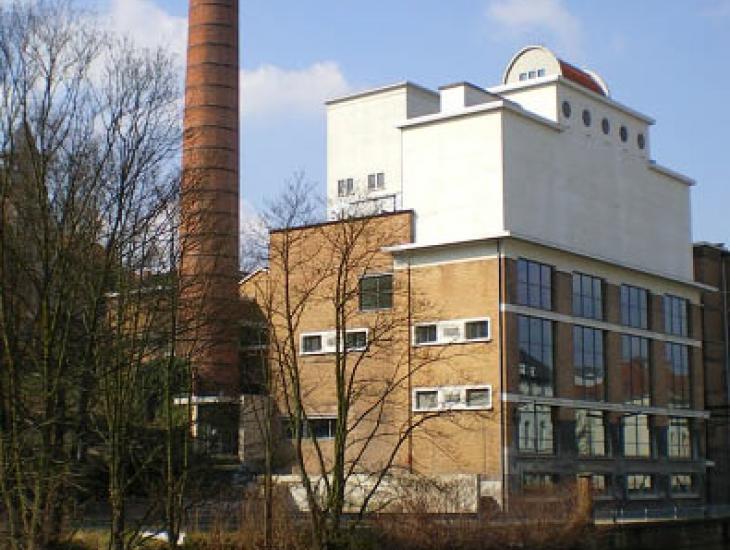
[540, 20]
[271, 90]
[148, 25]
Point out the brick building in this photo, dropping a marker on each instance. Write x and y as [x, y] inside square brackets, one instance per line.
[536, 268]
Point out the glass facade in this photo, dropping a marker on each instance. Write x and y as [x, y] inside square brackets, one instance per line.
[634, 307]
[678, 375]
[590, 433]
[675, 316]
[535, 337]
[588, 363]
[534, 284]
[535, 433]
[635, 370]
[587, 296]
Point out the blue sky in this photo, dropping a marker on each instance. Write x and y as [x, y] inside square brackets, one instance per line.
[666, 58]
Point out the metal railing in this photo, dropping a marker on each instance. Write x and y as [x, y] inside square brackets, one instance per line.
[670, 513]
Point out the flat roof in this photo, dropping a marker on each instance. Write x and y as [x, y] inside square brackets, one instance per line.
[380, 90]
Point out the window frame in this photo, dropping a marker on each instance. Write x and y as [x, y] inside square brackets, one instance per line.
[584, 366]
[628, 365]
[675, 451]
[676, 323]
[580, 297]
[378, 292]
[692, 492]
[307, 425]
[345, 187]
[537, 446]
[636, 443]
[442, 404]
[442, 325]
[526, 347]
[604, 442]
[526, 287]
[651, 492]
[325, 335]
[627, 304]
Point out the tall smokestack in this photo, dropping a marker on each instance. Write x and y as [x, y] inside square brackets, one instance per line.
[209, 196]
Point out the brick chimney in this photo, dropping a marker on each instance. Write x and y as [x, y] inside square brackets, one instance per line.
[209, 226]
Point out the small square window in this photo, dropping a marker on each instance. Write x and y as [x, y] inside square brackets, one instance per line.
[426, 334]
[532, 74]
[479, 397]
[541, 72]
[376, 292]
[312, 344]
[477, 330]
[523, 76]
[427, 400]
[356, 340]
[452, 397]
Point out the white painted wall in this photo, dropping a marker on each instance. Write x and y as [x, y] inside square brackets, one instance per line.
[452, 177]
[363, 139]
[582, 191]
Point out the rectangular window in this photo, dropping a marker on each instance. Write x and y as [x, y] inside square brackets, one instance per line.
[601, 483]
[321, 428]
[356, 340]
[634, 307]
[534, 284]
[253, 336]
[682, 484]
[425, 334]
[541, 72]
[636, 436]
[587, 296]
[675, 315]
[479, 398]
[678, 375]
[312, 344]
[635, 370]
[639, 484]
[376, 292]
[679, 438]
[376, 181]
[345, 187]
[477, 330]
[535, 429]
[523, 76]
[590, 433]
[588, 363]
[427, 400]
[537, 482]
[535, 338]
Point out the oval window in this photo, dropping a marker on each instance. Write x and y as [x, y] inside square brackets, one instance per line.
[586, 117]
[641, 141]
[566, 109]
[605, 126]
[624, 133]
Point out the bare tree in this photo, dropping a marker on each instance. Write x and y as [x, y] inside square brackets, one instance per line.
[363, 381]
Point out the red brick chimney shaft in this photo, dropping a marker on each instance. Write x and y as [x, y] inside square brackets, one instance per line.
[209, 197]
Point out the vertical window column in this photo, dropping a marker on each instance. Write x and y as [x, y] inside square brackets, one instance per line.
[535, 338]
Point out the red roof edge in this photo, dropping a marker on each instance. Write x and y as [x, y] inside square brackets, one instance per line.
[573, 73]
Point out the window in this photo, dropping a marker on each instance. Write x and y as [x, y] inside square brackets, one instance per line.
[535, 338]
[636, 435]
[376, 292]
[452, 398]
[641, 141]
[345, 187]
[635, 370]
[253, 336]
[477, 330]
[426, 334]
[587, 296]
[600, 483]
[682, 484]
[376, 181]
[541, 72]
[634, 306]
[675, 315]
[679, 438]
[356, 340]
[312, 344]
[623, 133]
[523, 76]
[678, 371]
[588, 363]
[590, 433]
[534, 284]
[566, 109]
[535, 429]
[639, 484]
[427, 400]
[320, 428]
[536, 482]
[586, 117]
[479, 397]
[605, 126]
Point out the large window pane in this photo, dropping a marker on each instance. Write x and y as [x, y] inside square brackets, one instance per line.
[534, 284]
[535, 429]
[634, 306]
[636, 436]
[588, 363]
[590, 433]
[587, 296]
[678, 375]
[635, 378]
[679, 438]
[675, 315]
[376, 292]
[535, 340]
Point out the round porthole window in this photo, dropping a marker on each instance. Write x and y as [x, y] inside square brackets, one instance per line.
[586, 117]
[640, 141]
[623, 133]
[605, 126]
[566, 109]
